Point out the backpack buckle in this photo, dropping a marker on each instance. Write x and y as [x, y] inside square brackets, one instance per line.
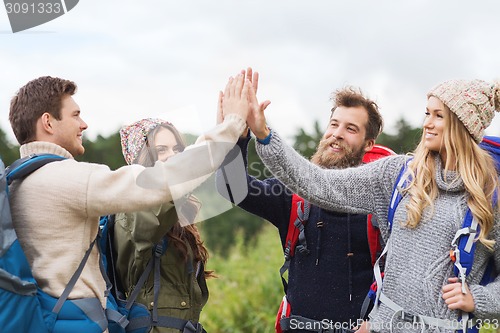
[287, 250]
[191, 327]
[408, 317]
[453, 256]
[158, 250]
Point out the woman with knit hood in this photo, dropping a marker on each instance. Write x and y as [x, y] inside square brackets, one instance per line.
[448, 174]
[166, 231]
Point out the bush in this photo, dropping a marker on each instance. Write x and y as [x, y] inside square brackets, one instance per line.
[247, 294]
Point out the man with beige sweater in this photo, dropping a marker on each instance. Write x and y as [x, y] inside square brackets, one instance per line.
[56, 209]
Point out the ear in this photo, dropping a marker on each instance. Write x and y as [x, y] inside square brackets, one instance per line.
[46, 124]
[369, 144]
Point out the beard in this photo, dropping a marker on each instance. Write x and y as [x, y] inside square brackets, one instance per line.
[328, 160]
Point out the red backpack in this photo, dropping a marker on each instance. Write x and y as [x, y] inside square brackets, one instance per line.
[296, 241]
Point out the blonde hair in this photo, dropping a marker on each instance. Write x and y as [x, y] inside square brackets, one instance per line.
[473, 165]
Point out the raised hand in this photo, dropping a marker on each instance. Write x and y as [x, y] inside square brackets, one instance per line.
[256, 119]
[253, 77]
[255, 116]
[235, 99]
[220, 114]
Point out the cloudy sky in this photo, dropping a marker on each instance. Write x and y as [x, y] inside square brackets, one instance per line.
[169, 59]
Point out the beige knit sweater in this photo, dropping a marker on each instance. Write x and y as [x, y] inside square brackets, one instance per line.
[56, 209]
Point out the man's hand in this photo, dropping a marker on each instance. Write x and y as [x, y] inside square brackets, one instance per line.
[456, 300]
[253, 77]
[256, 119]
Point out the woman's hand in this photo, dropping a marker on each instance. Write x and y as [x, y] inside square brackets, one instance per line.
[235, 98]
[456, 300]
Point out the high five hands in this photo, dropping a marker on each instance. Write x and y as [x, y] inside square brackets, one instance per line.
[240, 97]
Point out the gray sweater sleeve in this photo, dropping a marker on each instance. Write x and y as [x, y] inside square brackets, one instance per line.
[364, 189]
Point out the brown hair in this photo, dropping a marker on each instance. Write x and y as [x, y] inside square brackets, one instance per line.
[37, 97]
[353, 97]
[181, 237]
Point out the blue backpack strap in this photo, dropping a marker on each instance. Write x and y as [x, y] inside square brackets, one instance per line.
[464, 245]
[492, 145]
[401, 182]
[462, 255]
[26, 165]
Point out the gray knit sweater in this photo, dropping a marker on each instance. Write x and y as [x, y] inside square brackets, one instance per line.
[418, 263]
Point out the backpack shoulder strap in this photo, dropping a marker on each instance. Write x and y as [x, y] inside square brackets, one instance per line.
[464, 242]
[299, 214]
[374, 239]
[27, 165]
[108, 256]
[401, 182]
[464, 245]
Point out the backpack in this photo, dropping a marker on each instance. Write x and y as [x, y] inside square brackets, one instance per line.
[296, 240]
[464, 245]
[134, 316]
[138, 319]
[19, 292]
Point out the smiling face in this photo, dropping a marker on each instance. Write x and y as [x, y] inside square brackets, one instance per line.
[67, 131]
[344, 142]
[435, 124]
[166, 144]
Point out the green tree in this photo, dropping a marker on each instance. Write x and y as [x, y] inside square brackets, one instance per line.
[103, 150]
[306, 143]
[405, 140]
[8, 151]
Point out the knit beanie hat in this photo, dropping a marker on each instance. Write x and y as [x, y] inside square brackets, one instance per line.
[474, 102]
[133, 137]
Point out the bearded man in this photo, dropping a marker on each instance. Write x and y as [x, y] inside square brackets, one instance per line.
[329, 277]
